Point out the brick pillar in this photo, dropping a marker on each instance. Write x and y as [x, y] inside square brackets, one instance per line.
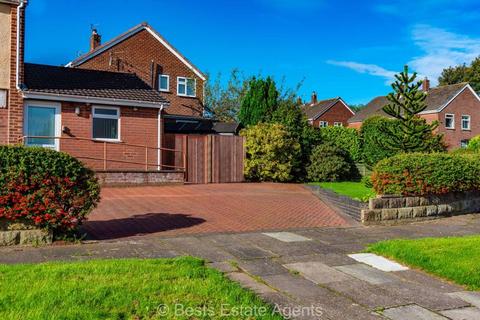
[15, 105]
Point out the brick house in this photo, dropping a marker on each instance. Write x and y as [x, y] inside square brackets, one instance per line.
[144, 52]
[330, 112]
[456, 107]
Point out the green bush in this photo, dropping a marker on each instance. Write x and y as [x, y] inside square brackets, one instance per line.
[424, 174]
[367, 181]
[46, 188]
[370, 134]
[474, 144]
[270, 153]
[330, 163]
[345, 138]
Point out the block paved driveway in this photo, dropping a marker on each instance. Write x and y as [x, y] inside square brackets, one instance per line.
[214, 208]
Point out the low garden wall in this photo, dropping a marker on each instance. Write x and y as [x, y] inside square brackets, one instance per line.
[399, 208]
[17, 233]
[131, 178]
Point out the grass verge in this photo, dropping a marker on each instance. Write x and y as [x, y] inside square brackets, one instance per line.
[182, 288]
[454, 258]
[354, 190]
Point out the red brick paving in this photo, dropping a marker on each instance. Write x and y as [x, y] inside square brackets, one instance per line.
[190, 209]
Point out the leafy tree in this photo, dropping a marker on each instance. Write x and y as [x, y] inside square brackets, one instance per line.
[357, 107]
[259, 102]
[331, 163]
[347, 139]
[223, 103]
[462, 73]
[270, 152]
[370, 133]
[405, 103]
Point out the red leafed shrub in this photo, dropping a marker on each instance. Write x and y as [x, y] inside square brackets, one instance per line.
[46, 188]
[423, 174]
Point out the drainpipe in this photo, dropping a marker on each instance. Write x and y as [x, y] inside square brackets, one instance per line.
[159, 138]
[17, 76]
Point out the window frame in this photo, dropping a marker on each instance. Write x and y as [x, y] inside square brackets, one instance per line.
[186, 87]
[466, 141]
[469, 122]
[105, 116]
[338, 124]
[160, 82]
[58, 121]
[322, 124]
[452, 118]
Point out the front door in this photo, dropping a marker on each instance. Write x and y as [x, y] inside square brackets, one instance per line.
[42, 125]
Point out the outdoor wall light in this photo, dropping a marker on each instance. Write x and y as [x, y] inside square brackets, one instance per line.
[77, 111]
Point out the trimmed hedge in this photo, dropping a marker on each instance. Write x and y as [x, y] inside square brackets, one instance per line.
[331, 163]
[46, 188]
[418, 174]
[346, 138]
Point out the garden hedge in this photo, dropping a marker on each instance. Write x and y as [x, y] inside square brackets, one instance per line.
[345, 138]
[331, 163]
[46, 188]
[418, 174]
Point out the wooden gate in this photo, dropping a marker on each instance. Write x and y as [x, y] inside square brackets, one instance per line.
[208, 158]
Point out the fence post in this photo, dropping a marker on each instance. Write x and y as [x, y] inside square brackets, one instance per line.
[185, 148]
[104, 155]
[146, 158]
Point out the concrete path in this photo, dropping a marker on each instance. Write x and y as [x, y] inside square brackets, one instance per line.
[310, 271]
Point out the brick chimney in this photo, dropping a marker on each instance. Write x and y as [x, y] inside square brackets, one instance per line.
[426, 85]
[314, 98]
[95, 40]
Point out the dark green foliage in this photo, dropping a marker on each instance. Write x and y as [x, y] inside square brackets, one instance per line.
[405, 103]
[330, 163]
[259, 103]
[357, 107]
[474, 144]
[370, 133]
[367, 181]
[424, 174]
[462, 73]
[345, 138]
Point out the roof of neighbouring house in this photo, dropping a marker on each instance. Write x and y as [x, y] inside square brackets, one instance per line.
[314, 111]
[129, 33]
[63, 81]
[437, 99]
[189, 124]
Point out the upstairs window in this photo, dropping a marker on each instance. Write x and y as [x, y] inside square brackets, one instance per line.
[186, 87]
[163, 82]
[465, 122]
[106, 123]
[338, 124]
[323, 124]
[449, 121]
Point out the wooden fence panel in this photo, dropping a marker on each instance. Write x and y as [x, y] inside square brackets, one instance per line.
[209, 158]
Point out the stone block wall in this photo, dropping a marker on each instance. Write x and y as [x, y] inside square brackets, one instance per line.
[398, 208]
[17, 233]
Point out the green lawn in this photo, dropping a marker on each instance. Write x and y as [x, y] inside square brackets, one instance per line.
[123, 289]
[455, 259]
[354, 190]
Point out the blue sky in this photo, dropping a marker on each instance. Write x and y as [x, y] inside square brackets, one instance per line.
[337, 48]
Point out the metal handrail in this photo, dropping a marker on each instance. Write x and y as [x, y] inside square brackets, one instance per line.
[105, 159]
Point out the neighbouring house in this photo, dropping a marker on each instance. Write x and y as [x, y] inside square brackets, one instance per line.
[330, 112]
[144, 52]
[456, 107]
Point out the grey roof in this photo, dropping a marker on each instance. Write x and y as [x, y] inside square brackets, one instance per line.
[436, 98]
[198, 125]
[88, 83]
[316, 110]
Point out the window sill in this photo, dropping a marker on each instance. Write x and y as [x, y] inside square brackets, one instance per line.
[186, 96]
[107, 140]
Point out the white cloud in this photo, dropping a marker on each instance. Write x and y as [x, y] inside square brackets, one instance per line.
[371, 69]
[440, 49]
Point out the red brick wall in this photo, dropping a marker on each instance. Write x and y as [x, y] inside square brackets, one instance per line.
[464, 104]
[337, 113]
[136, 54]
[11, 119]
[138, 127]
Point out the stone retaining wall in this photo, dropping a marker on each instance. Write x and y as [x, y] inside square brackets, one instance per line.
[18, 233]
[131, 178]
[398, 208]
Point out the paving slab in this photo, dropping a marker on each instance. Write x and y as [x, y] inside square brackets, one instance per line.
[330, 259]
[262, 267]
[469, 313]
[287, 236]
[367, 273]
[195, 247]
[468, 296]
[298, 287]
[224, 266]
[412, 312]
[318, 272]
[248, 282]
[248, 252]
[428, 281]
[378, 262]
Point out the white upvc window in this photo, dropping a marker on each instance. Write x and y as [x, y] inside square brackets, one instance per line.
[449, 121]
[464, 143]
[164, 82]
[465, 122]
[323, 124]
[186, 87]
[338, 124]
[106, 123]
